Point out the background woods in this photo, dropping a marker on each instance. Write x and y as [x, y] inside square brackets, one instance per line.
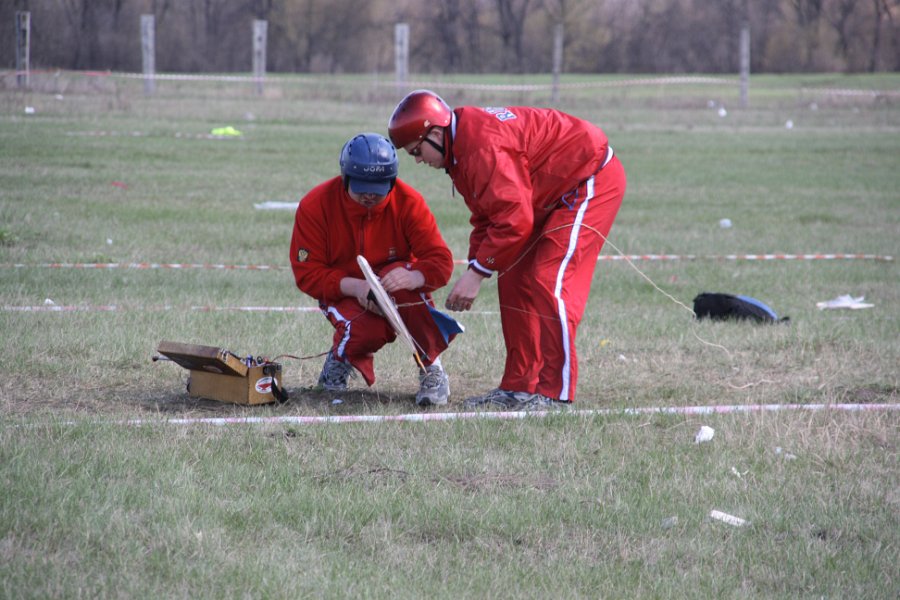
[463, 36]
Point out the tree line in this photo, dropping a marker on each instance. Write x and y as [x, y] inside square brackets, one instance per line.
[462, 36]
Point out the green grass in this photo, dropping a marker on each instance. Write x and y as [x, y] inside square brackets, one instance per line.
[315, 511]
[565, 506]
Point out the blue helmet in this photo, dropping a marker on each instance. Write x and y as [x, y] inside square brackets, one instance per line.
[369, 164]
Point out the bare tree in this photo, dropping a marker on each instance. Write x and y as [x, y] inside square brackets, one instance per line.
[893, 51]
[262, 9]
[71, 10]
[807, 14]
[511, 25]
[807, 11]
[472, 32]
[448, 30]
[881, 10]
[475, 36]
[583, 30]
[839, 14]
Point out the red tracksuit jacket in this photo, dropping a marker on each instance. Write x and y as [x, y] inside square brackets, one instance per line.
[545, 154]
[330, 230]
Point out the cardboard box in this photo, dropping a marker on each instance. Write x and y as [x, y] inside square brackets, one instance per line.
[221, 375]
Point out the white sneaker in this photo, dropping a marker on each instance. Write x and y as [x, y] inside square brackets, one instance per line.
[434, 386]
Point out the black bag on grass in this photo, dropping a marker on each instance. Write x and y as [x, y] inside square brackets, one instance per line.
[721, 307]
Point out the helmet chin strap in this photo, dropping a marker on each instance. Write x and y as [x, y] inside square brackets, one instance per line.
[435, 145]
[448, 142]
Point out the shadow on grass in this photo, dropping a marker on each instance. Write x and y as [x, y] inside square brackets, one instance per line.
[300, 400]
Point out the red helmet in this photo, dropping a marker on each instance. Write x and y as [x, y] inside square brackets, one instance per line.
[415, 115]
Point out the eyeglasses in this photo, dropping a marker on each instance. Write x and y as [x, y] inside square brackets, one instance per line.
[417, 149]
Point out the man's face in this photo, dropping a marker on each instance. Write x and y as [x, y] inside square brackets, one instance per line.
[425, 152]
[367, 200]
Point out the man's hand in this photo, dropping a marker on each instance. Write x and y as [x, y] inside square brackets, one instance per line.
[359, 289]
[463, 294]
[402, 279]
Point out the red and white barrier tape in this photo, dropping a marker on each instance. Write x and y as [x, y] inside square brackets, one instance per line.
[143, 265]
[102, 133]
[611, 257]
[55, 308]
[735, 257]
[461, 416]
[71, 308]
[852, 92]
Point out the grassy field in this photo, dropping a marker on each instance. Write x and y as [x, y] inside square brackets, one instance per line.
[610, 504]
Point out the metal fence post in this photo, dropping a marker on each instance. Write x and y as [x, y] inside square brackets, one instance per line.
[557, 60]
[23, 48]
[745, 64]
[260, 34]
[148, 51]
[401, 53]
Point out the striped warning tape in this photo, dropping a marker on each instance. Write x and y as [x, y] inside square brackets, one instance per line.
[852, 92]
[613, 258]
[57, 308]
[504, 415]
[142, 265]
[178, 134]
[736, 257]
[572, 85]
[72, 308]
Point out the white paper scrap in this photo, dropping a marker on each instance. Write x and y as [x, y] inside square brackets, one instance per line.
[845, 301]
[726, 518]
[786, 455]
[275, 205]
[705, 434]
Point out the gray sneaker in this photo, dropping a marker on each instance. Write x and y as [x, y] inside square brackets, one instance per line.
[542, 402]
[334, 374]
[434, 386]
[504, 399]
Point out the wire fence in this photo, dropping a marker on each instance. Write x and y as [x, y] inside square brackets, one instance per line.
[530, 89]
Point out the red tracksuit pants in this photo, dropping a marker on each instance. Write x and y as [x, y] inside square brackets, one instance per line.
[359, 333]
[543, 296]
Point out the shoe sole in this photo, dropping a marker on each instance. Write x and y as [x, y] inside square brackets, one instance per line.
[521, 406]
[490, 405]
[429, 402]
[326, 388]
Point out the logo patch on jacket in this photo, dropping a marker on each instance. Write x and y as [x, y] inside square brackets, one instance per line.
[501, 112]
[302, 255]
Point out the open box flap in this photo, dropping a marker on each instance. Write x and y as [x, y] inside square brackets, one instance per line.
[203, 358]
